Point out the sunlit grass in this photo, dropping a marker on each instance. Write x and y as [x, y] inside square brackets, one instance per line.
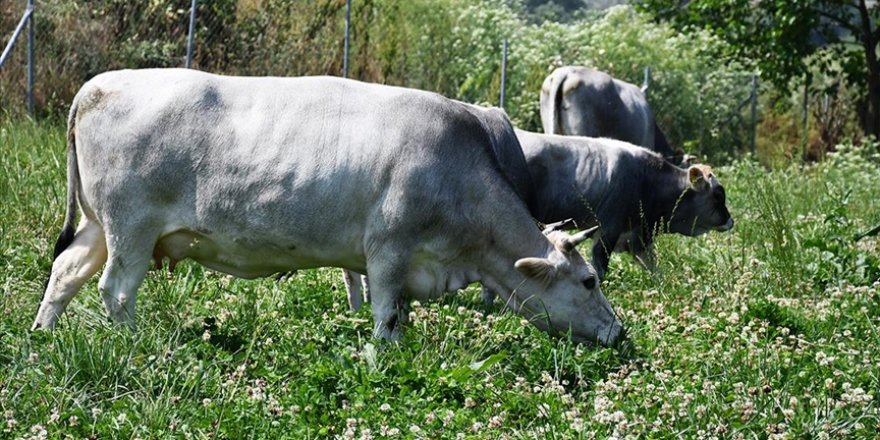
[768, 331]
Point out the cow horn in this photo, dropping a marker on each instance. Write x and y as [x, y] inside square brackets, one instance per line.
[550, 227]
[576, 239]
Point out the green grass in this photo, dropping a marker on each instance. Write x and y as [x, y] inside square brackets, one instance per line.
[769, 331]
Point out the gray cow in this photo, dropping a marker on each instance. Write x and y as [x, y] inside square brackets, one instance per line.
[579, 101]
[249, 176]
[630, 192]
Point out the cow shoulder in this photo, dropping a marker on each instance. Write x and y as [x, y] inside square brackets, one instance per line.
[507, 151]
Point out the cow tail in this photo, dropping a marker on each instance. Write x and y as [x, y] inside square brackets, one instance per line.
[555, 114]
[73, 181]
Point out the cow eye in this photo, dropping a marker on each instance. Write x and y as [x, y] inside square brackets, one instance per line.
[590, 283]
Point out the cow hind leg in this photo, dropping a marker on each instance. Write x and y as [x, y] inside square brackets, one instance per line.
[71, 269]
[354, 289]
[127, 265]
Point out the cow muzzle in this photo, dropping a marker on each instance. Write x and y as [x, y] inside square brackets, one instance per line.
[726, 226]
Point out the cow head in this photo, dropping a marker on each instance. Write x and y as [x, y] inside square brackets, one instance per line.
[561, 292]
[703, 204]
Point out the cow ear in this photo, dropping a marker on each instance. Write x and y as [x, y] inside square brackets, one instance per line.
[697, 178]
[540, 269]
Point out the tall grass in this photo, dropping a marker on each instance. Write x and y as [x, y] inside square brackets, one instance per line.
[768, 331]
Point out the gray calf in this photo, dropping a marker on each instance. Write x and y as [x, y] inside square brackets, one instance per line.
[631, 193]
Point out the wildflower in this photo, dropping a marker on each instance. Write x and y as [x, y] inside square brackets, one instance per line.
[495, 422]
[39, 432]
[385, 407]
[447, 419]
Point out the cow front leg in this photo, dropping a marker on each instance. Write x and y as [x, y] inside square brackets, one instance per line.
[488, 296]
[601, 253]
[127, 265]
[386, 297]
[70, 270]
[648, 258]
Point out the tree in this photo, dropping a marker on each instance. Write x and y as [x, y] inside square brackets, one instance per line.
[778, 36]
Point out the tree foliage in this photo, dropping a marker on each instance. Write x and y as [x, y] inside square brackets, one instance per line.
[778, 37]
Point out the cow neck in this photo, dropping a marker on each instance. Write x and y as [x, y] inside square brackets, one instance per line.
[665, 187]
[511, 242]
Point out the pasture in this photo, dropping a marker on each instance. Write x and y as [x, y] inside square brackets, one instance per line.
[767, 331]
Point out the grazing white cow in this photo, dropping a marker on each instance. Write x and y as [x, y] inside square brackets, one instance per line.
[255, 176]
[579, 101]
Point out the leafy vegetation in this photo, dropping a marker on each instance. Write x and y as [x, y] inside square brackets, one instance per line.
[452, 47]
[781, 38]
[767, 331]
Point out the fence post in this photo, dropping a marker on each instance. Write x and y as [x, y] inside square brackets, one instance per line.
[503, 73]
[647, 82]
[754, 99]
[347, 37]
[192, 32]
[806, 115]
[30, 65]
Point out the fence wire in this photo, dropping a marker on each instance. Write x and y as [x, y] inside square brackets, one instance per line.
[13, 74]
[77, 40]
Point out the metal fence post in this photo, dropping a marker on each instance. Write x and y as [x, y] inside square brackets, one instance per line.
[647, 82]
[347, 36]
[754, 99]
[191, 35]
[30, 65]
[806, 115]
[503, 73]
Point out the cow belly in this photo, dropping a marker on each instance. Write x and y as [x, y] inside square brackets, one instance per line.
[247, 257]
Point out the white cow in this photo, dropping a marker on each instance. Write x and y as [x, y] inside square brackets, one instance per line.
[255, 176]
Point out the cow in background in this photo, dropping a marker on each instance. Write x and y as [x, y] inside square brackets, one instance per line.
[579, 101]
